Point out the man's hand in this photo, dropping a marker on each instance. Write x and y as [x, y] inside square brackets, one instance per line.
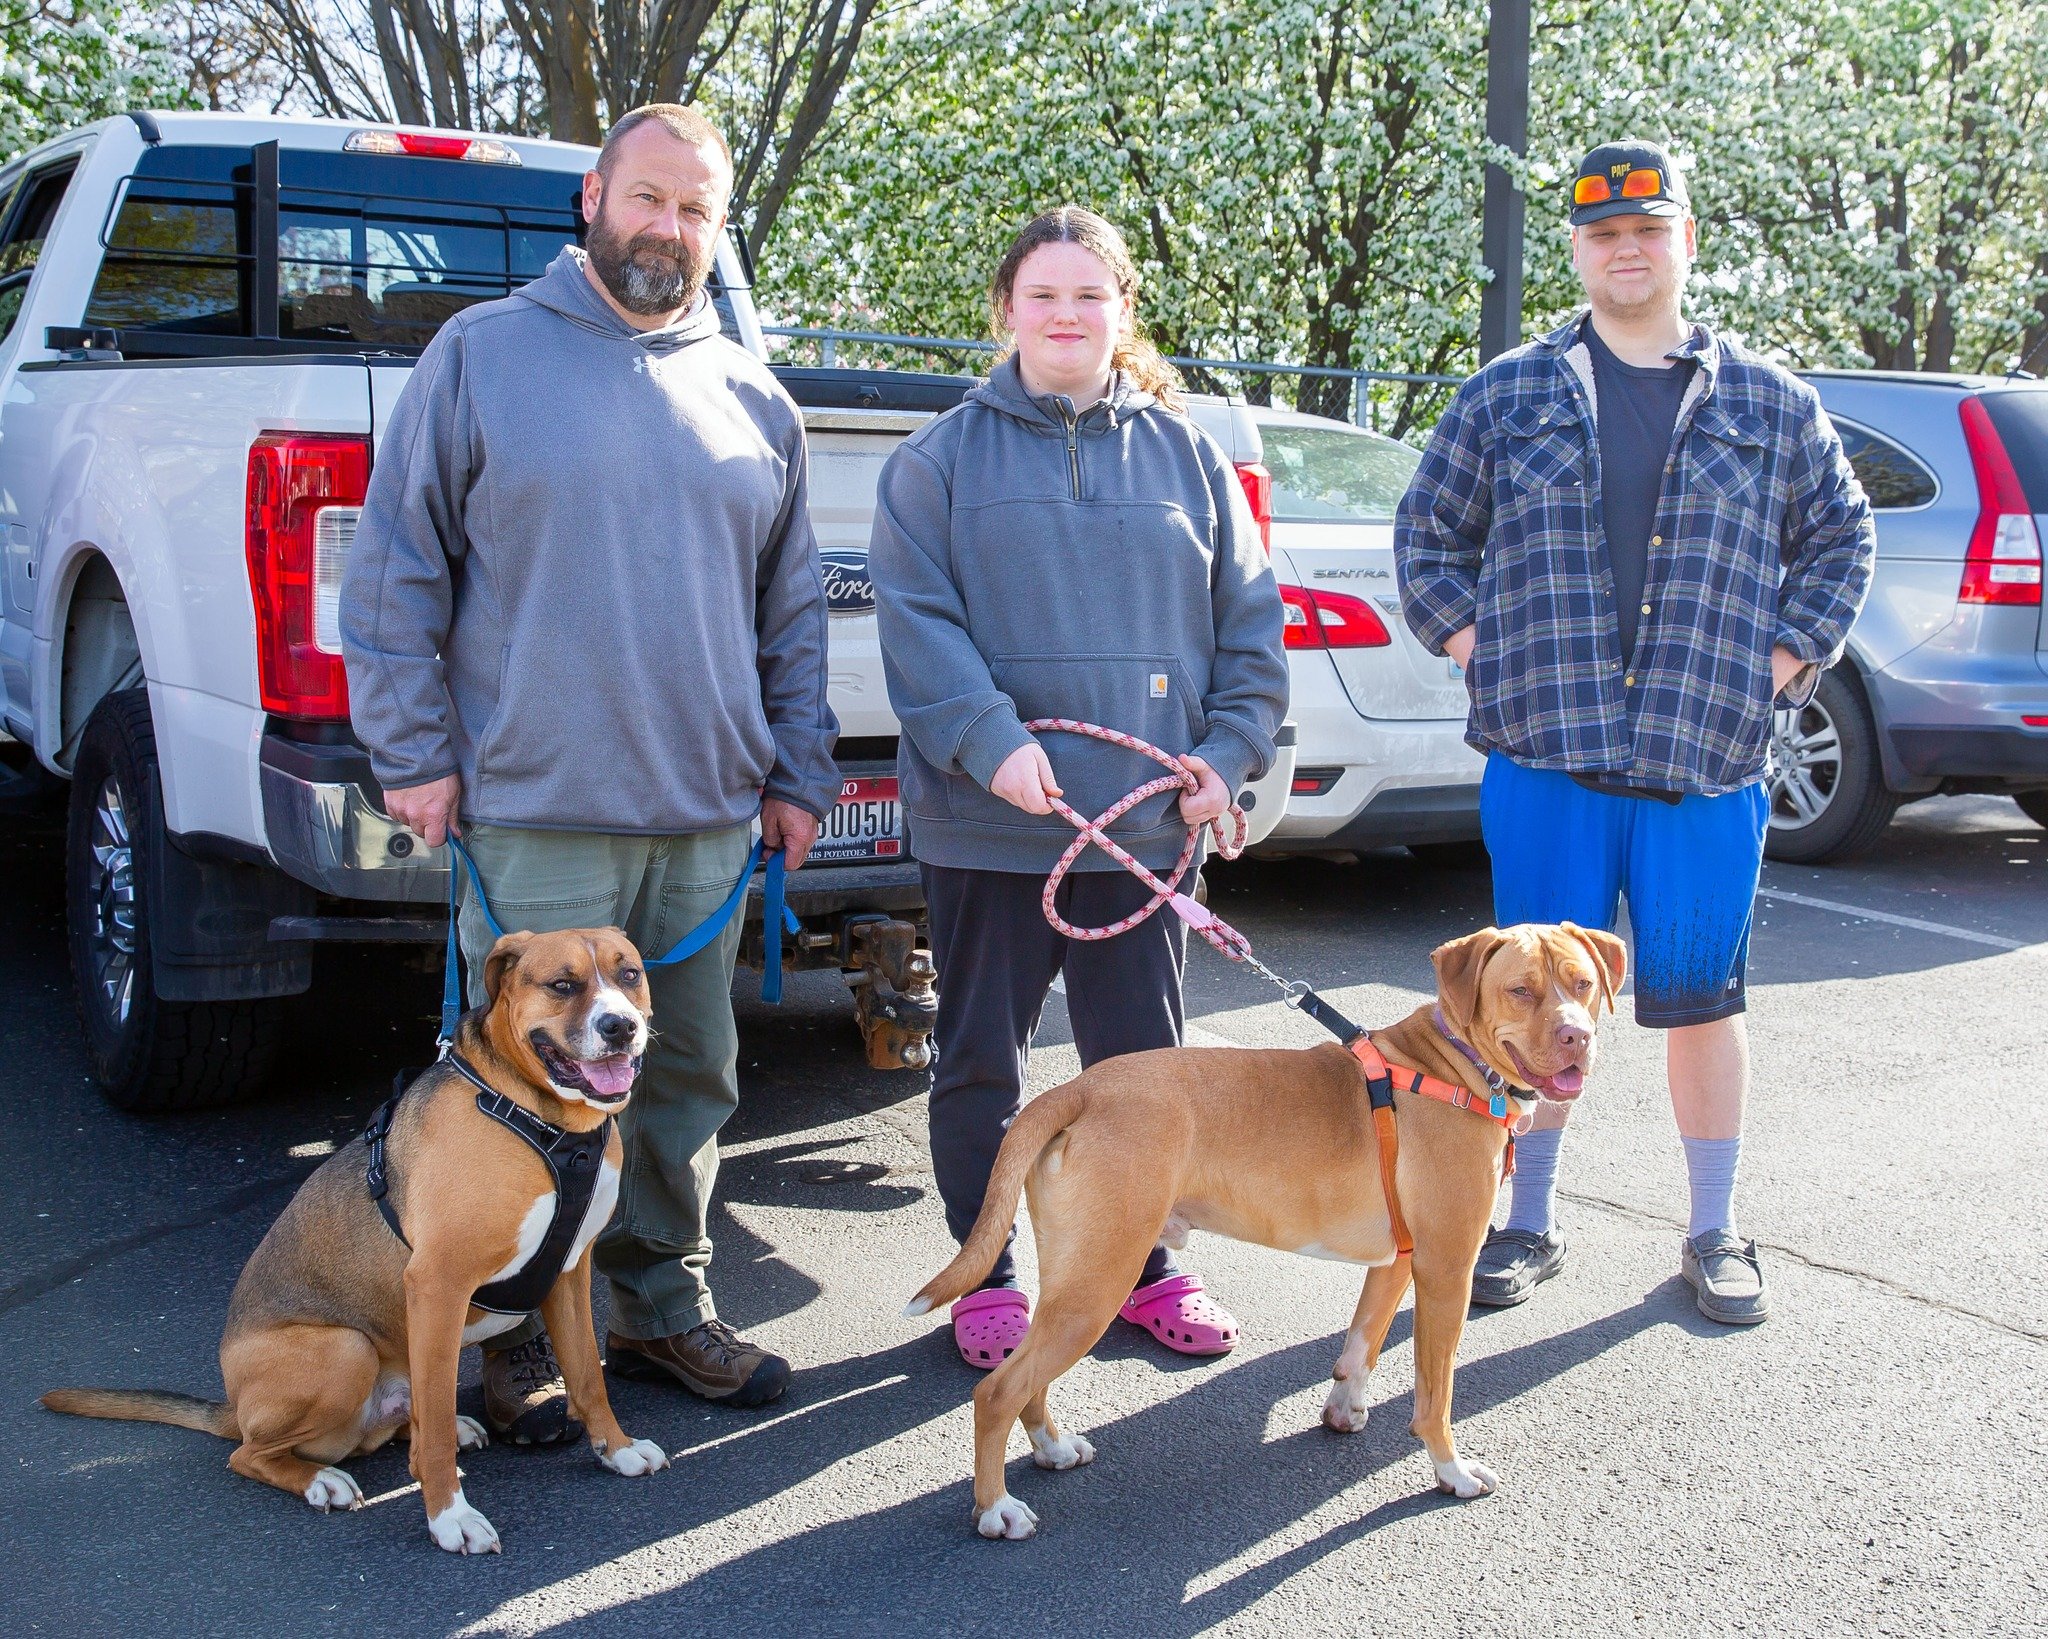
[1025, 780]
[790, 828]
[1459, 645]
[1210, 800]
[428, 810]
[1785, 668]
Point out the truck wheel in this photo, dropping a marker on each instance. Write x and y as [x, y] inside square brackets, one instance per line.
[146, 1053]
[1828, 796]
[2034, 804]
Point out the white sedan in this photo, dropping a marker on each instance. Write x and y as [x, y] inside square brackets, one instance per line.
[1381, 757]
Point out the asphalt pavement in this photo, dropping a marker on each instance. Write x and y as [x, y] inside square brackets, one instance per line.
[1869, 1461]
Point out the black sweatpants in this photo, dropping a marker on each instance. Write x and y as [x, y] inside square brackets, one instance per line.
[997, 957]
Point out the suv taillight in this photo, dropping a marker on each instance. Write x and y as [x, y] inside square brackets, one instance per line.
[305, 495]
[2003, 563]
[1258, 489]
[1329, 620]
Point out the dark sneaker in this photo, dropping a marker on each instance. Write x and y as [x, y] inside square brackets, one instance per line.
[1512, 1264]
[524, 1401]
[711, 1360]
[1727, 1281]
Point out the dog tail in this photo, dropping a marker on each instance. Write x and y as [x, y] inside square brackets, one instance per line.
[145, 1406]
[1037, 1125]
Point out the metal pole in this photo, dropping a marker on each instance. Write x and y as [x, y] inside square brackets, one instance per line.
[1507, 124]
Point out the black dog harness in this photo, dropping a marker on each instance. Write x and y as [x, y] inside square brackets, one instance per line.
[574, 1158]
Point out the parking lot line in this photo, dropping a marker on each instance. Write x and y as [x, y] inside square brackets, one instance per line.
[1996, 941]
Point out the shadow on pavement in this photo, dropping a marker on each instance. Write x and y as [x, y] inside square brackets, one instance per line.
[1149, 1506]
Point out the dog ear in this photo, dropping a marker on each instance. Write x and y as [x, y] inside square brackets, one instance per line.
[1458, 967]
[503, 958]
[1610, 959]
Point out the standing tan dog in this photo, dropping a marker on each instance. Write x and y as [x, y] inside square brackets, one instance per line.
[1278, 1148]
[339, 1337]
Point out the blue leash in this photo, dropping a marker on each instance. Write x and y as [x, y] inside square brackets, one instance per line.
[777, 914]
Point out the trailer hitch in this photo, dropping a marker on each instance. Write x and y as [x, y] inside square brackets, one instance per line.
[895, 1001]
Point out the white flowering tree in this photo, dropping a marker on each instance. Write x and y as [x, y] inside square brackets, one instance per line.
[1295, 178]
[65, 62]
[1301, 181]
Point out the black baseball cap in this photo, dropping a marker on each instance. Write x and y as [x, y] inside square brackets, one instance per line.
[1627, 179]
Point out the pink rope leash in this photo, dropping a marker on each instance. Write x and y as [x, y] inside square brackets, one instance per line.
[1094, 832]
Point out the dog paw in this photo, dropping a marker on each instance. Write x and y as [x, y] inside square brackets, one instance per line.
[470, 1435]
[1009, 1519]
[1062, 1452]
[1342, 1411]
[634, 1458]
[331, 1488]
[1466, 1480]
[460, 1529]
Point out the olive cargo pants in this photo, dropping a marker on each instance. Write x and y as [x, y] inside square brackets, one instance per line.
[656, 1251]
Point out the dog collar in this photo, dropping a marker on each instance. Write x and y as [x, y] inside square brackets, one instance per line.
[1498, 1084]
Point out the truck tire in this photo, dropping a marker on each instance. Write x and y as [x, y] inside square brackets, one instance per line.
[2034, 804]
[146, 1053]
[1828, 796]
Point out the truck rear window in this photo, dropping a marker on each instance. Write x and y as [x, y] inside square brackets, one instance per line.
[370, 249]
[2021, 417]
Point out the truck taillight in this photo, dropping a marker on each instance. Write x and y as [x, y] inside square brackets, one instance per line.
[1329, 620]
[2003, 563]
[305, 495]
[1258, 489]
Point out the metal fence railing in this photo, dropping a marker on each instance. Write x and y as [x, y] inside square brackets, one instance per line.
[1363, 407]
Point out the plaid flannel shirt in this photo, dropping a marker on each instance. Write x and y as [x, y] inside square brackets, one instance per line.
[1763, 537]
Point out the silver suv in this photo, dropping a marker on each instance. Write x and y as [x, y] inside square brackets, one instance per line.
[1945, 685]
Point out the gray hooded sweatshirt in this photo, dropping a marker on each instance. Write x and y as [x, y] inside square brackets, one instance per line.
[585, 578]
[1032, 561]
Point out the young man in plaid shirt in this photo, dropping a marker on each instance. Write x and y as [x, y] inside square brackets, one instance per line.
[1636, 536]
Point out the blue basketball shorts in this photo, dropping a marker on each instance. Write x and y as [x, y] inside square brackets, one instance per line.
[1689, 870]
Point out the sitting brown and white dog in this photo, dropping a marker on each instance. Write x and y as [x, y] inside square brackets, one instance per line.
[1279, 1148]
[344, 1331]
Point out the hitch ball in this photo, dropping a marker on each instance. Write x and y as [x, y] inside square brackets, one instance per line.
[895, 1003]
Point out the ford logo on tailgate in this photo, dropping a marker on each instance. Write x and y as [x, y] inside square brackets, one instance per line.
[849, 589]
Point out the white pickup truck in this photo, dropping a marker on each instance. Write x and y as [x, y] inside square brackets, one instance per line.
[204, 322]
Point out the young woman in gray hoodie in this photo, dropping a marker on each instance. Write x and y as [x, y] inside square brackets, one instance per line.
[1064, 543]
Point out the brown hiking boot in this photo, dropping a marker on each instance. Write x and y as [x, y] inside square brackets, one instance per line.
[524, 1401]
[711, 1360]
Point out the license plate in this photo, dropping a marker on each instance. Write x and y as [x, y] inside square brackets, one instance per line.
[865, 823]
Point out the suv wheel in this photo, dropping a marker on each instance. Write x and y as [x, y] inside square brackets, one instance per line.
[146, 1053]
[1828, 796]
[2034, 804]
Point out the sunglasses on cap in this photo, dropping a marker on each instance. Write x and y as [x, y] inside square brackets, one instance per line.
[1638, 184]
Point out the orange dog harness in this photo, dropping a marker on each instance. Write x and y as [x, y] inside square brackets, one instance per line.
[1381, 1078]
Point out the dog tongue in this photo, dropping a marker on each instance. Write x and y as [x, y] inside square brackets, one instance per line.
[1568, 1080]
[611, 1077]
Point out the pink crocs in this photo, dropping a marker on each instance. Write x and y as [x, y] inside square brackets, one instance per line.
[989, 1324]
[1182, 1315]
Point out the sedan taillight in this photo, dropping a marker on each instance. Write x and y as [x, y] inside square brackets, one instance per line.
[1330, 620]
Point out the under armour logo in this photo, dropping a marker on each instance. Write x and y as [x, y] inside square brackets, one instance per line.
[642, 364]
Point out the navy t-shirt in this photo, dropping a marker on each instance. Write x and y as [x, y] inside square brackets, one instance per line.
[1637, 412]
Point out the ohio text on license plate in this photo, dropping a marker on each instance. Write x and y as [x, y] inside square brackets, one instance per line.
[866, 822]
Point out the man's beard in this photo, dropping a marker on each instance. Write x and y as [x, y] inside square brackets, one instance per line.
[647, 274]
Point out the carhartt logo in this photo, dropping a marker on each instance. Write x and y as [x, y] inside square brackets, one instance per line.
[1158, 685]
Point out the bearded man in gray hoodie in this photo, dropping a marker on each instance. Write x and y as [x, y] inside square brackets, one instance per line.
[585, 630]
